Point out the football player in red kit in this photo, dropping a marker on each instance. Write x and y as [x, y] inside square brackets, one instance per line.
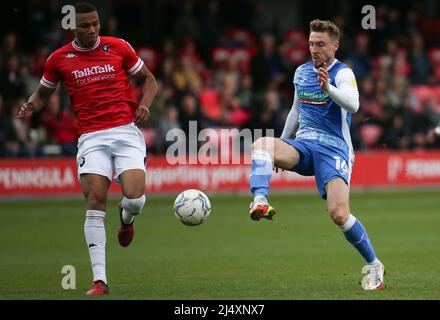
[94, 70]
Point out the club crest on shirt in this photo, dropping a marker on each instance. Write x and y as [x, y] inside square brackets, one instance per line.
[105, 48]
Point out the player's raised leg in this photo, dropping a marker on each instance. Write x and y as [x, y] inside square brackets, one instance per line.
[133, 187]
[338, 207]
[267, 152]
[95, 188]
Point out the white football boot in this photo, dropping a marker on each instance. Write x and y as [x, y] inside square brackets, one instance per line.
[374, 280]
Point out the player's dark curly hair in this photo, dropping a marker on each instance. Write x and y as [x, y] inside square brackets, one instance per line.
[84, 7]
[325, 26]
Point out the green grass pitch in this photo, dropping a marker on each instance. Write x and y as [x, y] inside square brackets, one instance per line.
[299, 255]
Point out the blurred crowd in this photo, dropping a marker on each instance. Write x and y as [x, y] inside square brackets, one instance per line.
[227, 76]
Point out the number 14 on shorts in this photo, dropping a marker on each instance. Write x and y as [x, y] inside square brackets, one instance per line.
[341, 164]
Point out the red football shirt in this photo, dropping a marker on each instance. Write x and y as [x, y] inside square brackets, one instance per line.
[96, 80]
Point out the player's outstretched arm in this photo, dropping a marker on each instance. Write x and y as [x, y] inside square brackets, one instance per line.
[36, 101]
[292, 121]
[149, 92]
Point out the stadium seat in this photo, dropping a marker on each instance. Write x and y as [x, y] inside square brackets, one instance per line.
[210, 103]
[370, 134]
[149, 56]
[296, 55]
[295, 38]
[219, 55]
[430, 27]
[422, 93]
[434, 58]
[243, 57]
[241, 38]
[150, 137]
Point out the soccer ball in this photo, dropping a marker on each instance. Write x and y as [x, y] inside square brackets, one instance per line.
[192, 207]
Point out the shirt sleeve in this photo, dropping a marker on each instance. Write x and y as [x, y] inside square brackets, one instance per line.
[346, 93]
[50, 76]
[132, 63]
[292, 120]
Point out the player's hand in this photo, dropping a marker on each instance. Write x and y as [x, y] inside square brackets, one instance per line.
[26, 109]
[276, 169]
[323, 77]
[142, 114]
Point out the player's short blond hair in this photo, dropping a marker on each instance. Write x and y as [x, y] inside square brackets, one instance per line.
[325, 26]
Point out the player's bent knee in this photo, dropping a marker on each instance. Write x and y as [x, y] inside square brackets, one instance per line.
[134, 206]
[258, 144]
[339, 215]
[264, 143]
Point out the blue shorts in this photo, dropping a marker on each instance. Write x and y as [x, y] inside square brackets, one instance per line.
[323, 161]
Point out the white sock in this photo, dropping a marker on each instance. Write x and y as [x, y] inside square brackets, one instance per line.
[127, 217]
[131, 208]
[374, 262]
[94, 231]
[348, 224]
[260, 198]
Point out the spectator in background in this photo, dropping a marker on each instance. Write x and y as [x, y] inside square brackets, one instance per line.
[112, 27]
[385, 60]
[393, 28]
[184, 74]
[355, 130]
[245, 93]
[9, 141]
[431, 112]
[269, 112]
[229, 72]
[397, 91]
[371, 109]
[421, 69]
[381, 18]
[189, 110]
[267, 65]
[394, 135]
[166, 72]
[18, 142]
[67, 133]
[262, 22]
[210, 99]
[11, 83]
[60, 126]
[55, 37]
[186, 24]
[168, 49]
[212, 26]
[168, 122]
[29, 79]
[360, 56]
[9, 47]
[39, 57]
[341, 22]
[411, 26]
[233, 114]
[3, 126]
[163, 98]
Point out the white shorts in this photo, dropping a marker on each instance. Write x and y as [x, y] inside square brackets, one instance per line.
[111, 150]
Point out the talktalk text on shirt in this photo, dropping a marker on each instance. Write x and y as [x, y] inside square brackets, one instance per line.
[93, 70]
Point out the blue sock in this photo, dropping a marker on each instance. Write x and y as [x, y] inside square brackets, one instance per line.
[261, 172]
[355, 233]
